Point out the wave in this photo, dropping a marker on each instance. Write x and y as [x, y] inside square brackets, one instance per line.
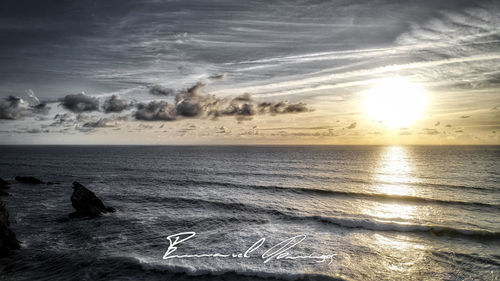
[186, 273]
[51, 265]
[380, 196]
[379, 225]
[367, 223]
[345, 179]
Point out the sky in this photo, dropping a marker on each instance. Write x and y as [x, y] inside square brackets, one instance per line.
[249, 72]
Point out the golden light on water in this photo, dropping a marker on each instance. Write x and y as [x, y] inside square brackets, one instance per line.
[400, 255]
[393, 172]
[396, 102]
[391, 177]
[391, 211]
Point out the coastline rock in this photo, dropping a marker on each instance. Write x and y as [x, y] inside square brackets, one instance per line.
[86, 203]
[8, 241]
[28, 180]
[4, 184]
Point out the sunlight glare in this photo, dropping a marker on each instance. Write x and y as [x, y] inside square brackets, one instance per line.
[395, 102]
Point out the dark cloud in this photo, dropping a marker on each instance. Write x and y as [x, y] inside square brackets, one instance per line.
[13, 108]
[192, 103]
[352, 125]
[448, 126]
[437, 124]
[246, 97]
[158, 90]
[218, 76]
[282, 107]
[459, 131]
[465, 116]
[37, 131]
[156, 110]
[80, 103]
[116, 104]
[41, 108]
[63, 119]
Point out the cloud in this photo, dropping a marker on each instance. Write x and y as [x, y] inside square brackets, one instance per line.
[41, 108]
[282, 107]
[156, 110]
[158, 90]
[430, 131]
[448, 126]
[115, 104]
[63, 119]
[246, 97]
[13, 108]
[32, 98]
[352, 125]
[193, 103]
[437, 124]
[465, 116]
[218, 76]
[223, 130]
[80, 103]
[37, 131]
[101, 123]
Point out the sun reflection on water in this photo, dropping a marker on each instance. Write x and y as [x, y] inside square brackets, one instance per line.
[394, 172]
[391, 211]
[392, 177]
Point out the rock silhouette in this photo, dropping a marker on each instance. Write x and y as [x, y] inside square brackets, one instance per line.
[29, 180]
[8, 240]
[86, 203]
[4, 184]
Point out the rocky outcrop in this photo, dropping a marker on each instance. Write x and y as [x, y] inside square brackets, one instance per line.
[8, 241]
[4, 184]
[29, 180]
[86, 203]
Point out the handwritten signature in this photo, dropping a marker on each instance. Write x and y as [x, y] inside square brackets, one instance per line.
[279, 251]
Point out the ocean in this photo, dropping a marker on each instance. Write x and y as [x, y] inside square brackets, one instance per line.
[310, 213]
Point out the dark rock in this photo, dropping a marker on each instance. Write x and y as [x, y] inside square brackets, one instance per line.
[4, 184]
[29, 180]
[62, 219]
[86, 203]
[8, 241]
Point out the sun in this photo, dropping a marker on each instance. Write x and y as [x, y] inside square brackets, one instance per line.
[395, 102]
